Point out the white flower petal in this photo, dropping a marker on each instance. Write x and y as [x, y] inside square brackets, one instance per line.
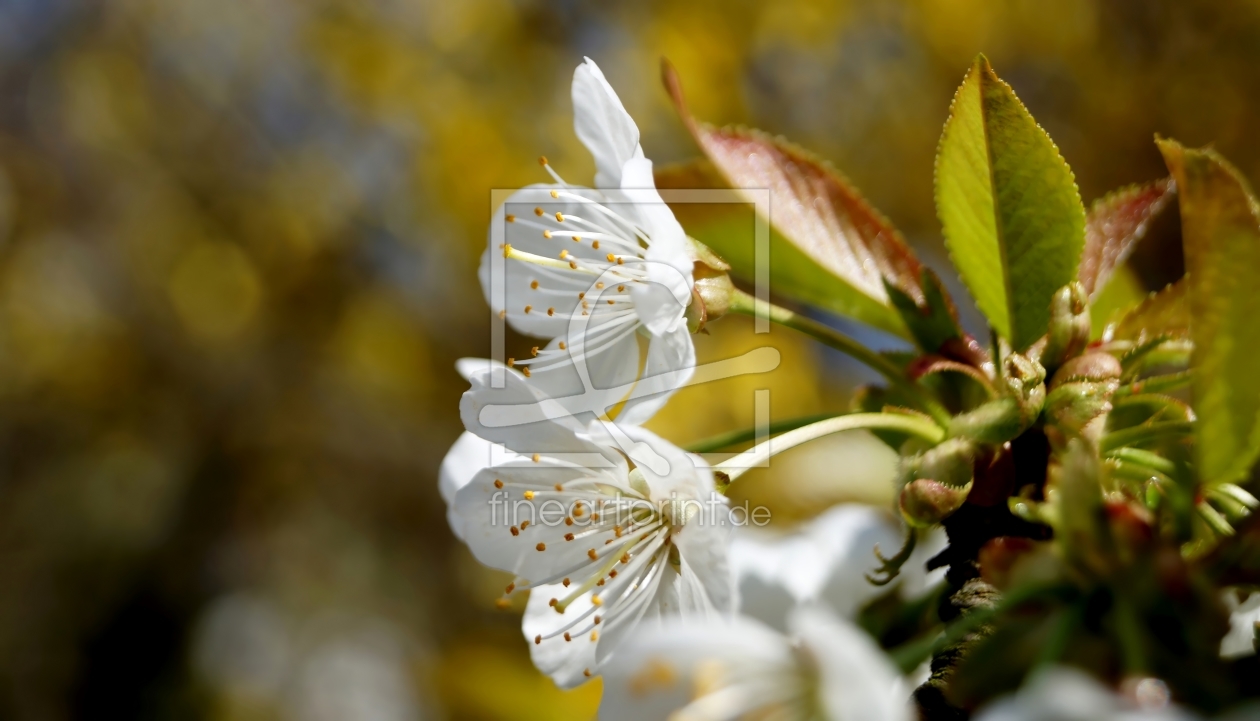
[1064, 694]
[1240, 641]
[661, 670]
[467, 456]
[857, 679]
[566, 662]
[489, 413]
[603, 125]
[671, 361]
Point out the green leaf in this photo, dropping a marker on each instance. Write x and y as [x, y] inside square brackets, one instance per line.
[828, 246]
[1012, 215]
[933, 322]
[1121, 295]
[1165, 312]
[1221, 236]
[1115, 224]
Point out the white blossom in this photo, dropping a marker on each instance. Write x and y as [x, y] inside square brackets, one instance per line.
[823, 561]
[592, 270]
[604, 546]
[826, 669]
[1065, 694]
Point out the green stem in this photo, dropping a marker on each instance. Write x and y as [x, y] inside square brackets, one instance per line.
[743, 435]
[741, 302]
[758, 454]
[1145, 434]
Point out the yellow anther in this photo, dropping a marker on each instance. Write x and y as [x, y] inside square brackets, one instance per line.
[502, 603]
[563, 346]
[621, 289]
[581, 295]
[578, 510]
[555, 194]
[595, 517]
[526, 372]
[620, 261]
[567, 637]
[565, 582]
[559, 217]
[539, 212]
[577, 239]
[568, 521]
[568, 536]
[534, 351]
[599, 285]
[597, 600]
[528, 308]
[498, 483]
[538, 639]
[541, 547]
[551, 311]
[610, 302]
[507, 250]
[533, 284]
[553, 602]
[503, 314]
[559, 487]
[617, 531]
[595, 244]
[612, 573]
[529, 495]
[586, 672]
[572, 265]
[594, 635]
[600, 582]
[524, 525]
[592, 555]
[598, 619]
[515, 531]
[610, 257]
[535, 458]
[564, 254]
[510, 588]
[511, 362]
[542, 160]
[625, 557]
[546, 233]
[510, 218]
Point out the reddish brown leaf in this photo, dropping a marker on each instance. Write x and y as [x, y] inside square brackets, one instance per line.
[1115, 224]
[812, 206]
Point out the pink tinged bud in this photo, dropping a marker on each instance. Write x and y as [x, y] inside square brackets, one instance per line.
[1097, 366]
[925, 502]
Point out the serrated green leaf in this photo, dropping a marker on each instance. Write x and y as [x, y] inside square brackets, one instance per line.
[1220, 228]
[1164, 312]
[828, 246]
[1013, 219]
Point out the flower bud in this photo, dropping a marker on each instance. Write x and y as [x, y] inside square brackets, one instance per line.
[712, 291]
[925, 502]
[1096, 366]
[1069, 325]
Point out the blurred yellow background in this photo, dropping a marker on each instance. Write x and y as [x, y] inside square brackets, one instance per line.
[238, 251]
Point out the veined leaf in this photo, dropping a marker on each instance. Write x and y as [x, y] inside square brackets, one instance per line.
[1164, 312]
[933, 322]
[1115, 224]
[828, 245]
[1012, 215]
[1221, 235]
